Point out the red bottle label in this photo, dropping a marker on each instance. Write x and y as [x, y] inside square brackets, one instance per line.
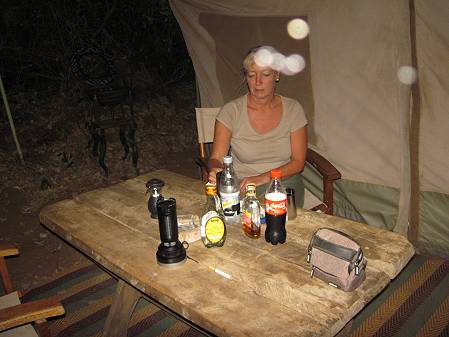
[275, 203]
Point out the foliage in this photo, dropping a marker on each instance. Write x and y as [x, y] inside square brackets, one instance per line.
[39, 37]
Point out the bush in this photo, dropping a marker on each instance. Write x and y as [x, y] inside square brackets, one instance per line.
[39, 38]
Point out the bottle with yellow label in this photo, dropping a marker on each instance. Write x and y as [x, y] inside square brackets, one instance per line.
[213, 228]
[251, 213]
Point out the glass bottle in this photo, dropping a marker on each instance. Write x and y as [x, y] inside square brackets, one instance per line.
[213, 228]
[251, 213]
[229, 192]
[275, 210]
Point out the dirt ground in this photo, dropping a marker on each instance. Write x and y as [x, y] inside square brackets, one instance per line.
[58, 165]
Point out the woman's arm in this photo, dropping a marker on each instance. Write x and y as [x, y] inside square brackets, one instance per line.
[220, 148]
[298, 144]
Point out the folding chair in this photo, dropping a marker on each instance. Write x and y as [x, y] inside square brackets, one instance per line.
[16, 317]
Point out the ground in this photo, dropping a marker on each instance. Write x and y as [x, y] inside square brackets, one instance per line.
[58, 165]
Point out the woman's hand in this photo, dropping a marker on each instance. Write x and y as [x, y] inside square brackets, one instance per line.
[257, 180]
[213, 175]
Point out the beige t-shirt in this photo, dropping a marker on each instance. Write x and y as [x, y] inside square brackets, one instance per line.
[256, 153]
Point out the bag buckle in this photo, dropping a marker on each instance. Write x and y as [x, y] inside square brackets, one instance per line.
[359, 259]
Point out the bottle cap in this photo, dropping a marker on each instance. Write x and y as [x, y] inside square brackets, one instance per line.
[154, 183]
[251, 189]
[276, 173]
[211, 189]
[227, 159]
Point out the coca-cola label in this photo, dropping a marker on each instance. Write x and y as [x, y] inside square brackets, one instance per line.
[275, 203]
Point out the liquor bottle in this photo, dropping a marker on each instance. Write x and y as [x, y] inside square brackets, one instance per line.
[213, 228]
[251, 213]
[229, 192]
[275, 210]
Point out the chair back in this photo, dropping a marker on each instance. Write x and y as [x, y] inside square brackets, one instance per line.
[205, 124]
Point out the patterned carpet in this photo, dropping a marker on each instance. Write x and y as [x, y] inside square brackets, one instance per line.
[416, 303]
[87, 294]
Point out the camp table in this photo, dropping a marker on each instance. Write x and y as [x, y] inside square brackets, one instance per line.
[265, 290]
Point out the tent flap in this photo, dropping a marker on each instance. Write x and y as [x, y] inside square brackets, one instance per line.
[357, 107]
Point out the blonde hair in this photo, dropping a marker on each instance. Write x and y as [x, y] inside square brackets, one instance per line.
[248, 61]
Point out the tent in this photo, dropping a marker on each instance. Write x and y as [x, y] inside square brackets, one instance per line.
[389, 139]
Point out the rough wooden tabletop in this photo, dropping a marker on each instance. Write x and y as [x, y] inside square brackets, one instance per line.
[270, 292]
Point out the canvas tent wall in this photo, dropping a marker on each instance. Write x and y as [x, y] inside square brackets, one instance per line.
[390, 146]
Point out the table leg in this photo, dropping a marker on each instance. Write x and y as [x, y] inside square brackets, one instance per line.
[122, 307]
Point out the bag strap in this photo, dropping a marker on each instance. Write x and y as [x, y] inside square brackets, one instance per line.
[334, 249]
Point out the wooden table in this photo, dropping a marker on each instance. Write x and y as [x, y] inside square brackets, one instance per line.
[270, 292]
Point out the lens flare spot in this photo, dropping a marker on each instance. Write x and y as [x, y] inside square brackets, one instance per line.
[407, 75]
[298, 29]
[264, 57]
[293, 64]
[278, 61]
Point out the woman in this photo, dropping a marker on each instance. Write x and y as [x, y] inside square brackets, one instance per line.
[265, 131]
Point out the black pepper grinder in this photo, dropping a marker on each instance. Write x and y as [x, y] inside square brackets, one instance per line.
[170, 251]
[154, 187]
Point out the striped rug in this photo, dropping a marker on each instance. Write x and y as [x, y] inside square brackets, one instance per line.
[87, 294]
[416, 303]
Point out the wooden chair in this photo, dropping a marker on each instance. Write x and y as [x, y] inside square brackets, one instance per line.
[205, 120]
[16, 317]
[111, 103]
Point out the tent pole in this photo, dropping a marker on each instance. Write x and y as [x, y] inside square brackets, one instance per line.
[11, 122]
[414, 136]
[404, 108]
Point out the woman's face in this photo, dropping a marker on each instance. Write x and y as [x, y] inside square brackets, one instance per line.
[261, 81]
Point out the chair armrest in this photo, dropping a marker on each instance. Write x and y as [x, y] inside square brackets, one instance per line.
[201, 162]
[323, 166]
[29, 312]
[329, 174]
[8, 249]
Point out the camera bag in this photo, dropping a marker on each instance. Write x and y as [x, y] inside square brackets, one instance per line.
[336, 258]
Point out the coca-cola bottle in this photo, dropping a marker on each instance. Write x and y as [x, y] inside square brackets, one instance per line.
[229, 192]
[275, 210]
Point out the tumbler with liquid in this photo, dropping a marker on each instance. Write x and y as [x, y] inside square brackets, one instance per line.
[291, 203]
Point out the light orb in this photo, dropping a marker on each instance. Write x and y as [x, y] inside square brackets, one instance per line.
[298, 29]
[293, 64]
[407, 75]
[278, 61]
[263, 57]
